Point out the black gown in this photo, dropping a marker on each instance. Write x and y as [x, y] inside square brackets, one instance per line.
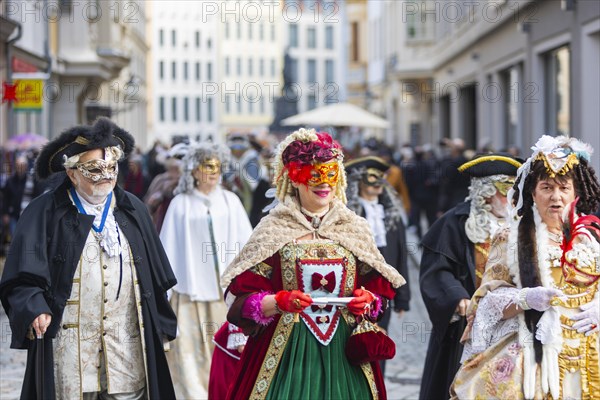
[447, 275]
[38, 278]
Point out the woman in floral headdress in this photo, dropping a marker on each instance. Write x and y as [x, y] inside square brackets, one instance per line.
[533, 330]
[203, 230]
[309, 273]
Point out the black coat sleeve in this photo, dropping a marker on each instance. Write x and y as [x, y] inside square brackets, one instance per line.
[26, 276]
[402, 298]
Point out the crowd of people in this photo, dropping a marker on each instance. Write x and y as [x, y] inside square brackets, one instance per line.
[238, 270]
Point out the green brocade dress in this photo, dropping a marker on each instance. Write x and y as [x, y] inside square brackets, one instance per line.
[325, 370]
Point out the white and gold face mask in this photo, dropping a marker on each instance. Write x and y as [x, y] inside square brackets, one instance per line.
[96, 170]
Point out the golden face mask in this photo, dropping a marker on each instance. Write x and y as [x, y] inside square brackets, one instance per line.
[373, 177]
[324, 173]
[96, 170]
[504, 186]
[210, 167]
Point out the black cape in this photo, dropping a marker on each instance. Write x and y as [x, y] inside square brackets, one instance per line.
[38, 278]
[447, 275]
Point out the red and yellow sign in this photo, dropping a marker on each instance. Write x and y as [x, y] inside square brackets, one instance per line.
[28, 95]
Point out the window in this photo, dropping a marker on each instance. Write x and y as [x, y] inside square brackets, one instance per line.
[293, 35]
[227, 66]
[329, 37]
[510, 91]
[238, 100]
[197, 67]
[174, 70]
[174, 38]
[227, 30]
[186, 115]
[261, 67]
[311, 38]
[261, 31]
[161, 70]
[272, 32]
[262, 104]
[250, 67]
[209, 72]
[161, 108]
[198, 109]
[329, 71]
[161, 37]
[174, 108]
[355, 42]
[185, 71]
[239, 66]
[273, 67]
[209, 44]
[228, 103]
[312, 101]
[209, 110]
[197, 39]
[557, 91]
[250, 28]
[312, 71]
[238, 30]
[250, 106]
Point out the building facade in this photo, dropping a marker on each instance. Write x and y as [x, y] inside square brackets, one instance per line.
[495, 73]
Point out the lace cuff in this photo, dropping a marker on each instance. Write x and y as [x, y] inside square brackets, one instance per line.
[236, 338]
[488, 317]
[252, 309]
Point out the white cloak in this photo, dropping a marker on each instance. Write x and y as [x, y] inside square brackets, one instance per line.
[186, 238]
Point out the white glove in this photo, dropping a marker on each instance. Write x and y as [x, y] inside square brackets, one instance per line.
[539, 297]
[587, 319]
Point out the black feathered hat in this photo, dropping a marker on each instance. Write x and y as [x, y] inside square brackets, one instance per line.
[104, 133]
[491, 164]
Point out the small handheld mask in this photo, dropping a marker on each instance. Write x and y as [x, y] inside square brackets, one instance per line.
[96, 170]
[210, 167]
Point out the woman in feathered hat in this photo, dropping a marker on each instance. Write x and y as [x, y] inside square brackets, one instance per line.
[534, 320]
[308, 274]
[204, 228]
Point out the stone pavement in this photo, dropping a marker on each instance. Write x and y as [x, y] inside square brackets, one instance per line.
[411, 334]
[403, 372]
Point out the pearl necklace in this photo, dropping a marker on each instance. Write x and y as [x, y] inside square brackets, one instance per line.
[555, 237]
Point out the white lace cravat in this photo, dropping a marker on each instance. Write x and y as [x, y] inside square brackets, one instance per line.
[375, 215]
[110, 242]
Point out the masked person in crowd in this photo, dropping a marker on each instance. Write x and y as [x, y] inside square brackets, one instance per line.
[308, 276]
[534, 319]
[455, 251]
[203, 230]
[372, 197]
[87, 275]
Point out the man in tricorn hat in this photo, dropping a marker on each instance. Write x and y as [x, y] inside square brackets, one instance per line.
[371, 196]
[455, 251]
[86, 274]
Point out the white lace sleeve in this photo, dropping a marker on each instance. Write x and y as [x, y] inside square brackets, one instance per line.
[236, 338]
[488, 326]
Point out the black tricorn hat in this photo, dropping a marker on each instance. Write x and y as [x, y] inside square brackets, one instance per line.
[78, 139]
[368, 163]
[491, 164]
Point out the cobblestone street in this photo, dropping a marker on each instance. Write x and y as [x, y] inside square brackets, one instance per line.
[403, 373]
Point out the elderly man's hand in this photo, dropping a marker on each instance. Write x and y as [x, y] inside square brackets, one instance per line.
[40, 324]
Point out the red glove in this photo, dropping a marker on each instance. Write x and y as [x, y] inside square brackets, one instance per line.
[361, 302]
[294, 301]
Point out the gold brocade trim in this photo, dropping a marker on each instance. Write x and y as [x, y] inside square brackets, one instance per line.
[481, 159]
[571, 161]
[368, 371]
[481, 253]
[273, 357]
[72, 302]
[262, 269]
[585, 360]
